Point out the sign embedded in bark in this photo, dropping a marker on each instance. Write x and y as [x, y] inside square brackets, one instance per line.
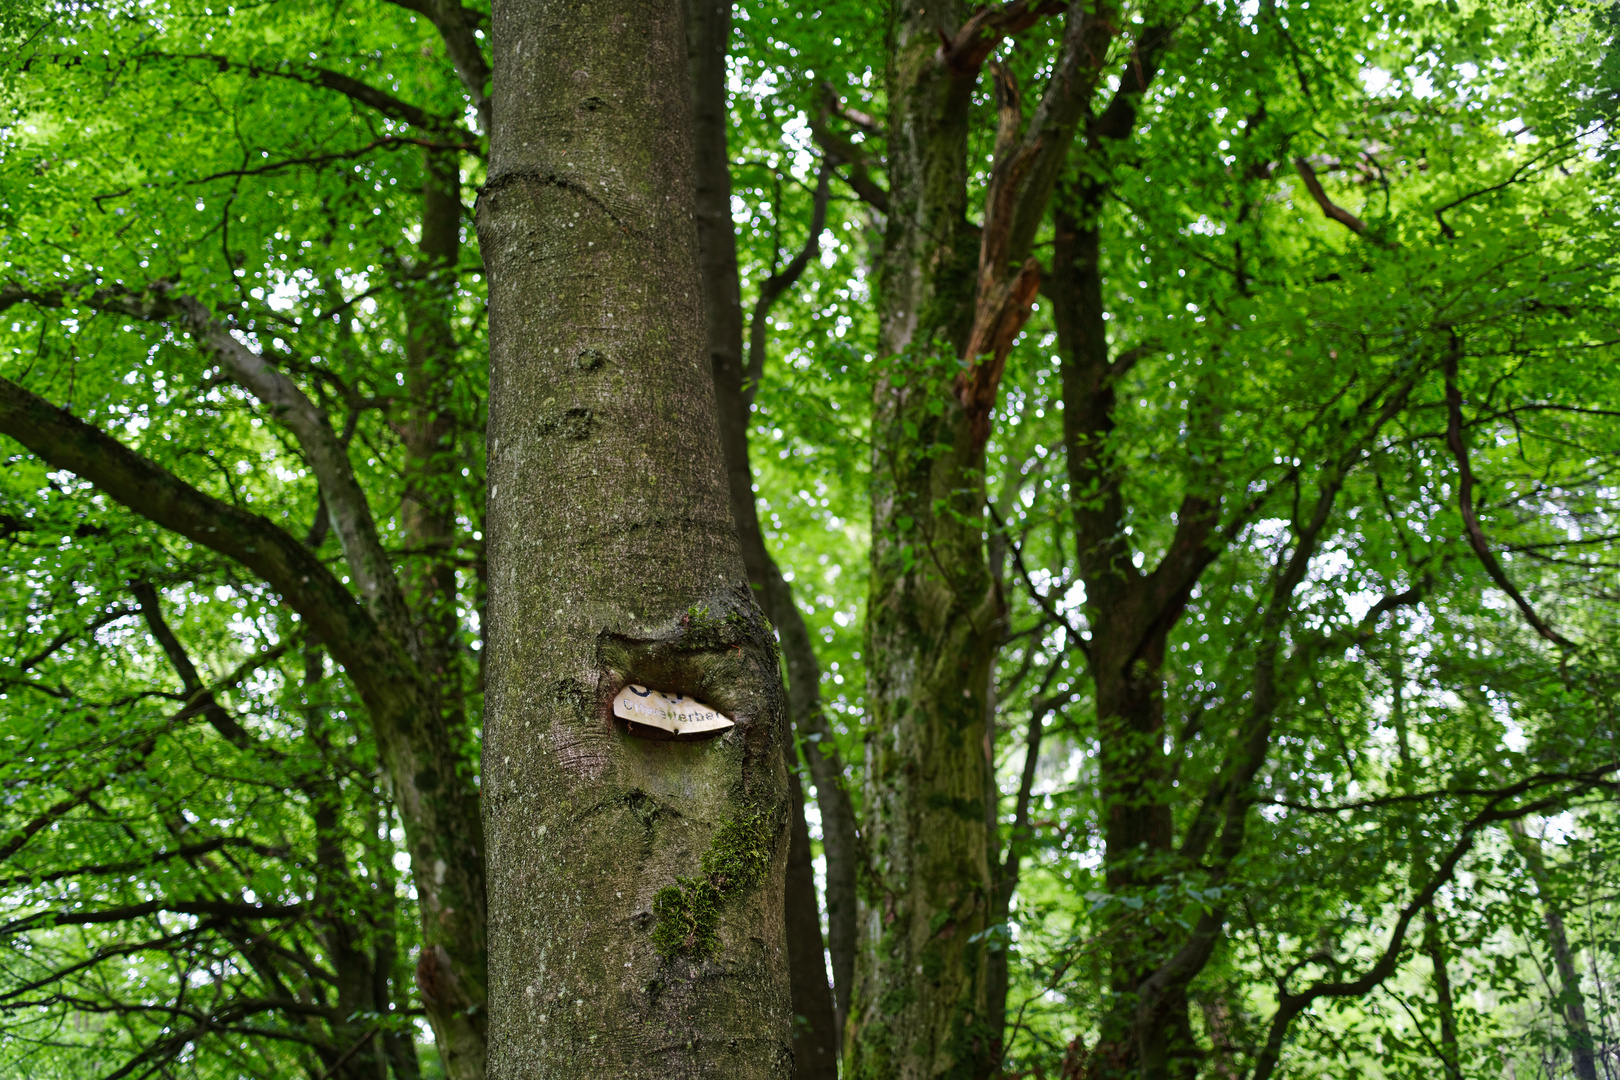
[674, 713]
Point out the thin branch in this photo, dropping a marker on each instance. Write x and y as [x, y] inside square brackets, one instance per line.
[772, 288]
[1513, 178]
[1330, 209]
[67, 637]
[343, 1058]
[216, 908]
[1430, 796]
[387, 142]
[837, 150]
[189, 851]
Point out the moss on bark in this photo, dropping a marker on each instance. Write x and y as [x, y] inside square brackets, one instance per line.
[688, 912]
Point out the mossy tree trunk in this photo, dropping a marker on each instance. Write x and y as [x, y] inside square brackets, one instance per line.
[952, 299]
[635, 885]
[918, 1008]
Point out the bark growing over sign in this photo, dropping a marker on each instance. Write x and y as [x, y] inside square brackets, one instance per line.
[636, 884]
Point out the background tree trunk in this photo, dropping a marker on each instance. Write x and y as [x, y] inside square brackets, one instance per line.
[636, 885]
[817, 1044]
[428, 522]
[1573, 1003]
[919, 1006]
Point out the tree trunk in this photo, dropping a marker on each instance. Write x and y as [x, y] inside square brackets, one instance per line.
[1572, 1003]
[374, 643]
[426, 430]
[1434, 944]
[427, 521]
[636, 884]
[919, 1008]
[1130, 611]
[815, 1043]
[709, 31]
[1129, 627]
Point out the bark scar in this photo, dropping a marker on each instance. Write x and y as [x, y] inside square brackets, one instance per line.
[550, 179]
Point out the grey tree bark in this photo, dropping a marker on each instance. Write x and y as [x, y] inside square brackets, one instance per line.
[635, 885]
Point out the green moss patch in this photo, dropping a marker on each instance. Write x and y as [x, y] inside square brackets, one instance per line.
[688, 912]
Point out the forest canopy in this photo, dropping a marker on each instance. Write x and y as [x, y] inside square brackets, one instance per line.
[1178, 450]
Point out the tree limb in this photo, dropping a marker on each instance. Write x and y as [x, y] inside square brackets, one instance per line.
[772, 288]
[345, 502]
[215, 908]
[202, 699]
[1465, 505]
[836, 149]
[66, 442]
[967, 50]
[311, 75]
[458, 28]
[1291, 1005]
[1331, 210]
